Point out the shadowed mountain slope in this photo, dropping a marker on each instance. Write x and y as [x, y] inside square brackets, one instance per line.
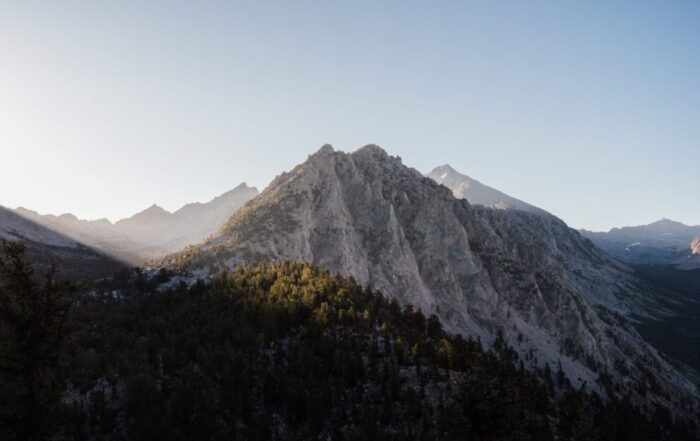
[662, 242]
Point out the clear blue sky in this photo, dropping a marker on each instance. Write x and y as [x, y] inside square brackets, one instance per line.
[591, 111]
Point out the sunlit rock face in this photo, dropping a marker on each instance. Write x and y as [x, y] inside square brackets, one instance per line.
[554, 296]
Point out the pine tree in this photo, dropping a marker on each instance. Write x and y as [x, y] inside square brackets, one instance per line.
[33, 329]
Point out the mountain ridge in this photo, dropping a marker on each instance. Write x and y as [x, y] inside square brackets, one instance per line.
[553, 295]
[151, 232]
[47, 248]
[477, 193]
[665, 242]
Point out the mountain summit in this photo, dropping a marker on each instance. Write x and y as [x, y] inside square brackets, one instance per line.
[477, 193]
[494, 274]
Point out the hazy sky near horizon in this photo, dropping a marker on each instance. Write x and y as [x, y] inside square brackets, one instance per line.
[590, 110]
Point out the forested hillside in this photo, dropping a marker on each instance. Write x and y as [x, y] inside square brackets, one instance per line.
[281, 351]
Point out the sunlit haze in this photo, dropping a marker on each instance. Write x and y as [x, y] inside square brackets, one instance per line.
[591, 112]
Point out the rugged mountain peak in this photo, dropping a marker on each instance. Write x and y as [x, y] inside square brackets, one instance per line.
[241, 187]
[326, 149]
[242, 191]
[155, 208]
[68, 217]
[666, 222]
[464, 187]
[153, 212]
[372, 150]
[552, 295]
[443, 170]
[663, 226]
[103, 222]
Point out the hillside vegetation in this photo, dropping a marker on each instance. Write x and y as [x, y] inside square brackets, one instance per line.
[289, 351]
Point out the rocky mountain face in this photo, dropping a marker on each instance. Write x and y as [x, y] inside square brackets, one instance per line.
[464, 187]
[150, 233]
[695, 246]
[548, 292]
[665, 242]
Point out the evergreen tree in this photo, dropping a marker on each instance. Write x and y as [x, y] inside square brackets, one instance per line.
[33, 329]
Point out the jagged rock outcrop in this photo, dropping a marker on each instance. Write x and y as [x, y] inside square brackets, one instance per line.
[695, 246]
[556, 298]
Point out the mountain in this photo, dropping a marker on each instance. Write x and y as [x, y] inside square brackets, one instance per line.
[152, 232]
[662, 242]
[99, 234]
[197, 221]
[46, 246]
[464, 187]
[292, 352]
[513, 275]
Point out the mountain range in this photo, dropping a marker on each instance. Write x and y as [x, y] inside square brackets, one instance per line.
[489, 266]
[518, 275]
[148, 234]
[662, 242]
[46, 246]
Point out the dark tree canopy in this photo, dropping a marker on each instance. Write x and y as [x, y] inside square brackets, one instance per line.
[33, 327]
[287, 351]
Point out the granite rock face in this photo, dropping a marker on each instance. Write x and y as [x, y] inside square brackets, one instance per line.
[551, 294]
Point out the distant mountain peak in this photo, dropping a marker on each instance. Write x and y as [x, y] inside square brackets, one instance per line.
[235, 192]
[366, 215]
[371, 149]
[68, 217]
[241, 186]
[445, 168]
[666, 221]
[664, 241]
[325, 149]
[465, 187]
[152, 212]
[156, 207]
